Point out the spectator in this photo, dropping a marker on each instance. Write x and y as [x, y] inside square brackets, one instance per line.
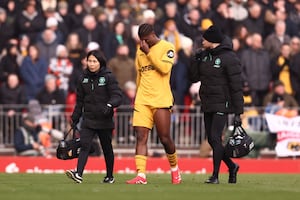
[92, 46]
[122, 66]
[256, 69]
[75, 49]
[125, 15]
[205, 9]
[118, 37]
[52, 99]
[129, 93]
[190, 24]
[73, 82]
[295, 75]
[238, 11]
[61, 67]
[153, 5]
[50, 94]
[90, 31]
[171, 13]
[12, 96]
[89, 5]
[255, 23]
[26, 139]
[8, 63]
[281, 68]
[36, 133]
[278, 102]
[274, 41]
[47, 45]
[63, 17]
[76, 73]
[7, 29]
[223, 18]
[24, 42]
[270, 17]
[33, 71]
[171, 34]
[52, 23]
[30, 21]
[12, 92]
[110, 10]
[291, 28]
[102, 22]
[76, 16]
[241, 33]
[48, 4]
[11, 7]
[179, 77]
[295, 45]
[148, 16]
[294, 15]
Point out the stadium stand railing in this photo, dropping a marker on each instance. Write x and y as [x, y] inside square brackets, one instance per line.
[187, 128]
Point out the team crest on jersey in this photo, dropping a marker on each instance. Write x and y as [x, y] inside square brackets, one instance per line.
[217, 63]
[170, 54]
[101, 81]
[85, 80]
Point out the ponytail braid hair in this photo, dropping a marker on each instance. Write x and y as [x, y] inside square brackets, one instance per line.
[145, 29]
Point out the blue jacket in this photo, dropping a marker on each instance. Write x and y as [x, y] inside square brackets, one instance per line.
[33, 74]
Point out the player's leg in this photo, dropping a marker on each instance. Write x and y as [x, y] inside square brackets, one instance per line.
[105, 137]
[140, 155]
[142, 122]
[214, 125]
[162, 119]
[86, 137]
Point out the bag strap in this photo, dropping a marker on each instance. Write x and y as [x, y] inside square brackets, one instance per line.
[241, 130]
[69, 131]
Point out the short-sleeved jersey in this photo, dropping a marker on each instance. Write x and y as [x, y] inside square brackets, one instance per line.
[153, 75]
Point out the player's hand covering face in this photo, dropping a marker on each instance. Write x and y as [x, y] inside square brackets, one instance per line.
[147, 42]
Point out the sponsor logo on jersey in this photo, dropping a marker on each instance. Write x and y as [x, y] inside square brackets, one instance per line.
[170, 54]
[146, 68]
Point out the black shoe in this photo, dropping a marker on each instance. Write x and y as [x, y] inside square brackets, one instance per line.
[233, 173]
[212, 180]
[108, 180]
[74, 175]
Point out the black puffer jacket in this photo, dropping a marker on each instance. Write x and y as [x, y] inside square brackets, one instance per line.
[94, 92]
[219, 71]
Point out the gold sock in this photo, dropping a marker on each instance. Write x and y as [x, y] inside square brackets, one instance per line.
[173, 160]
[140, 162]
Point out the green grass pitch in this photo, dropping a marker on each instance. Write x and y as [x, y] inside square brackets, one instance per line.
[58, 186]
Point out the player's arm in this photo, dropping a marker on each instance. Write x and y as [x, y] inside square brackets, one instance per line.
[164, 62]
[138, 76]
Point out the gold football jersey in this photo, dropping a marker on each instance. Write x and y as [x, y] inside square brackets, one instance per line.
[153, 75]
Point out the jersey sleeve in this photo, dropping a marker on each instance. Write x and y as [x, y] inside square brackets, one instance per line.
[163, 61]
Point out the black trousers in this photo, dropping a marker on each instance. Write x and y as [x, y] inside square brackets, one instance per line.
[214, 126]
[86, 137]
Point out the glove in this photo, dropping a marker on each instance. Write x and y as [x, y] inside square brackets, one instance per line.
[237, 120]
[108, 110]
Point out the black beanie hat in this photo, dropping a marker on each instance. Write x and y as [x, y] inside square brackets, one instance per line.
[213, 34]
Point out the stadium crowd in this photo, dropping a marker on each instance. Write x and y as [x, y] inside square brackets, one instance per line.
[43, 44]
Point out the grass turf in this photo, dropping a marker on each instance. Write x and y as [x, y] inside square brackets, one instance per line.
[58, 186]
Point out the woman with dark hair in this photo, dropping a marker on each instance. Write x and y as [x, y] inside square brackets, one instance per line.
[8, 63]
[97, 94]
